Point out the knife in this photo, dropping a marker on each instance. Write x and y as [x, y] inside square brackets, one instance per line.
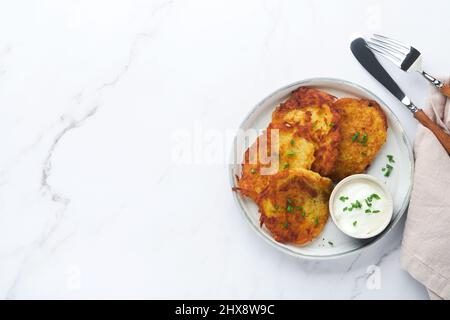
[368, 60]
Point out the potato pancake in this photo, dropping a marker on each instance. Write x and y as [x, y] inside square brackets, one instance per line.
[363, 130]
[306, 96]
[292, 151]
[310, 113]
[294, 207]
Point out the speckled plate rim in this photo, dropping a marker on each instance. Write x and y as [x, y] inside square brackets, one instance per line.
[393, 117]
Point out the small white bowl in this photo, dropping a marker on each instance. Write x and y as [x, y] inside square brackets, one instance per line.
[353, 179]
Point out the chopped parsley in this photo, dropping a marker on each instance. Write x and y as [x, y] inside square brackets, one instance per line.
[375, 211]
[252, 170]
[343, 198]
[292, 142]
[368, 211]
[289, 208]
[286, 165]
[316, 221]
[354, 223]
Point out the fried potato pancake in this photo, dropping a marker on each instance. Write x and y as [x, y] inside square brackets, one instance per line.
[364, 131]
[294, 207]
[310, 113]
[318, 135]
[306, 96]
[291, 151]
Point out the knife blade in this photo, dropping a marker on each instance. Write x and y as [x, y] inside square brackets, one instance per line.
[368, 60]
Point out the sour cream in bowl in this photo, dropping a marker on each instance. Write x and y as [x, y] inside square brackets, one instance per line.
[361, 206]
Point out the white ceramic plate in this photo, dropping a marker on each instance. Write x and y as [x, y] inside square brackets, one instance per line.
[399, 183]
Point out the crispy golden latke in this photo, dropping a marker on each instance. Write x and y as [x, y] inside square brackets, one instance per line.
[291, 151]
[333, 138]
[294, 207]
[310, 113]
[306, 96]
[295, 152]
[364, 130]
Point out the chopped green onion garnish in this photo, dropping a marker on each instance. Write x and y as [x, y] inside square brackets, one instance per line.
[252, 170]
[389, 169]
[368, 211]
[343, 198]
[290, 153]
[375, 211]
[355, 205]
[286, 165]
[375, 196]
[292, 142]
[354, 223]
[289, 208]
[355, 136]
[391, 158]
[316, 221]
[364, 138]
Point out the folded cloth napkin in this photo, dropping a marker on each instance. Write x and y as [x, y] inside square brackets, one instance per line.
[425, 250]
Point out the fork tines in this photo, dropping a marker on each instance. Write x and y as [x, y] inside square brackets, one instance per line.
[391, 49]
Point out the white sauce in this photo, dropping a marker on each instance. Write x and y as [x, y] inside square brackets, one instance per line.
[356, 221]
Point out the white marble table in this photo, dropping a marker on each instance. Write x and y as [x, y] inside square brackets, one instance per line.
[92, 204]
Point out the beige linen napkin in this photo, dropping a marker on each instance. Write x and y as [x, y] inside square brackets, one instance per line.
[426, 240]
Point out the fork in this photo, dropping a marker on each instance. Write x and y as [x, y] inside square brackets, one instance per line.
[405, 57]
